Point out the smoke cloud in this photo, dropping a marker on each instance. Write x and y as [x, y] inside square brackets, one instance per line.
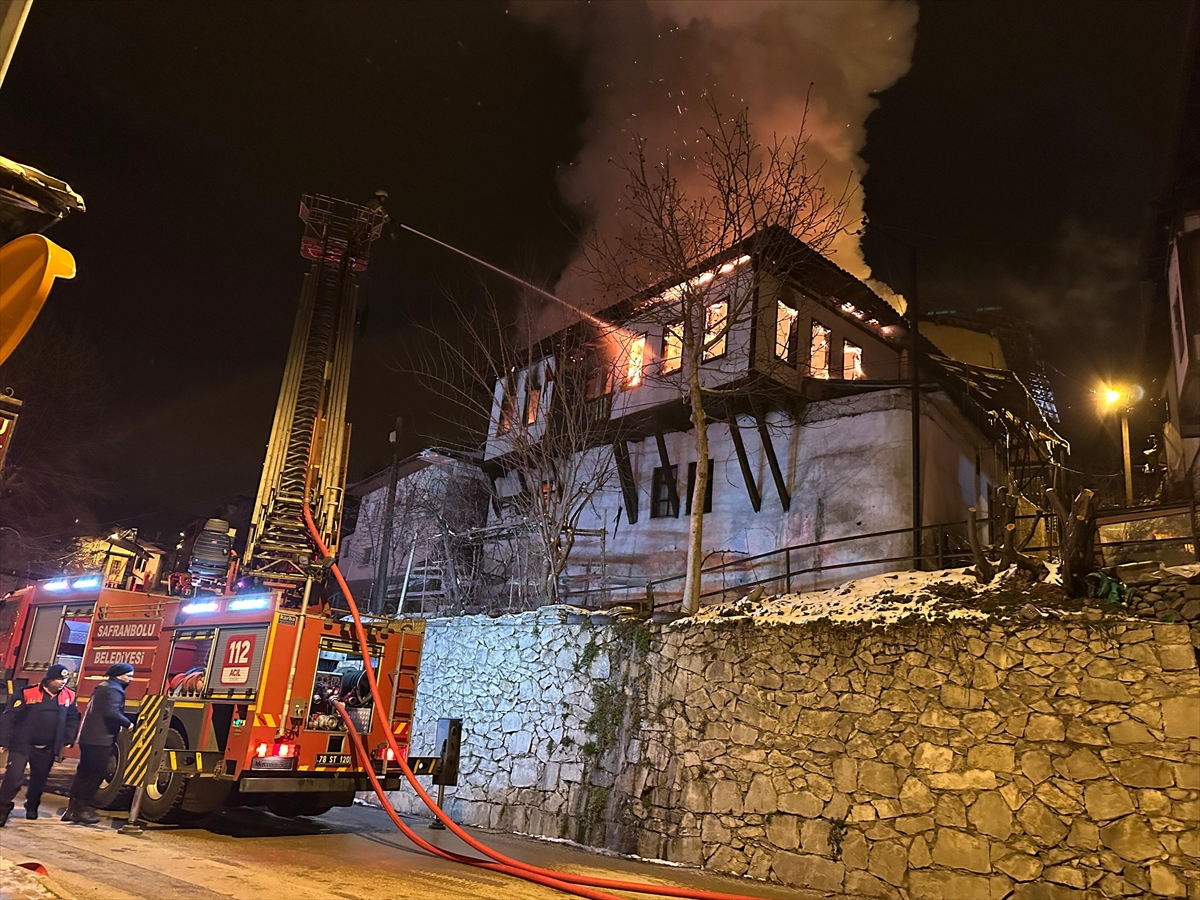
[650, 64]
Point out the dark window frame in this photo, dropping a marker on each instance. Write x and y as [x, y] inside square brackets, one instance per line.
[660, 493]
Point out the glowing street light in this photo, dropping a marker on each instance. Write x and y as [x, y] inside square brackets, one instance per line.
[1123, 400]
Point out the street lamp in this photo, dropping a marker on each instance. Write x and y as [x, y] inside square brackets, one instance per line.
[1122, 400]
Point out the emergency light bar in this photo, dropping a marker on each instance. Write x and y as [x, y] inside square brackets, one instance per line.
[244, 603]
[206, 606]
[83, 583]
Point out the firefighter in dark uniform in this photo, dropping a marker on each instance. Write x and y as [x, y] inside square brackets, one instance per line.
[104, 720]
[35, 728]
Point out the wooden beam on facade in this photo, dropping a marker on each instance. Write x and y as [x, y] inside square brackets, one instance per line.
[773, 461]
[744, 462]
[665, 462]
[628, 486]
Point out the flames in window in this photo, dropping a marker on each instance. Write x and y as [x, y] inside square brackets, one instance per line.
[716, 335]
[672, 353]
[785, 330]
[633, 357]
[852, 369]
[818, 351]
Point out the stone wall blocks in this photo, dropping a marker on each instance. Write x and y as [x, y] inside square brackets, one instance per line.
[1092, 735]
[992, 815]
[803, 803]
[966, 780]
[1014, 795]
[981, 723]
[1165, 883]
[809, 871]
[1147, 772]
[837, 808]
[897, 754]
[1131, 839]
[1181, 716]
[941, 885]
[1041, 824]
[997, 757]
[959, 850]
[1058, 800]
[951, 811]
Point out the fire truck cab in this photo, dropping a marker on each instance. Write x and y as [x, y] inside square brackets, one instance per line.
[249, 682]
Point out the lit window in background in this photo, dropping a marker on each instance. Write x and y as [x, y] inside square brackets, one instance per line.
[634, 355]
[508, 402]
[852, 369]
[785, 329]
[818, 351]
[672, 354]
[533, 394]
[716, 335]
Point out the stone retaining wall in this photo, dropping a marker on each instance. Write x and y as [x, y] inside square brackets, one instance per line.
[959, 761]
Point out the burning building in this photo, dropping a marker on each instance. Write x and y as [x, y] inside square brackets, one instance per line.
[804, 379]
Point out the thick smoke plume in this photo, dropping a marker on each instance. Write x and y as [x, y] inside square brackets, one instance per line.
[653, 67]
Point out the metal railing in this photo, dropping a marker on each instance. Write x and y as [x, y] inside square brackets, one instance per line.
[943, 545]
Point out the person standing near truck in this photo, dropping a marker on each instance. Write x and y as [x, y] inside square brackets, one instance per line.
[104, 719]
[35, 728]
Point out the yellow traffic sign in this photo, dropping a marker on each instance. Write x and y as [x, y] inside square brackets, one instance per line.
[28, 266]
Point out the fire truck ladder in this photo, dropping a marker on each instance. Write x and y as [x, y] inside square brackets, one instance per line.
[306, 454]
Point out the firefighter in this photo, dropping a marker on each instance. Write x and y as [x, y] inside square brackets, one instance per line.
[104, 720]
[35, 728]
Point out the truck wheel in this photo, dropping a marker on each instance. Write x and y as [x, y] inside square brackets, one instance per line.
[113, 794]
[164, 795]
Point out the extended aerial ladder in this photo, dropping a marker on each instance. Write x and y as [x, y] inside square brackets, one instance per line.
[307, 452]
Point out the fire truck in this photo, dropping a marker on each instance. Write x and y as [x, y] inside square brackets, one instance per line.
[249, 665]
[250, 680]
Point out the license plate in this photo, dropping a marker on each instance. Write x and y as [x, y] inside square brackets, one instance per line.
[333, 759]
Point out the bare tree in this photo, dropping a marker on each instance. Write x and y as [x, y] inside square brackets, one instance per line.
[547, 405]
[679, 253]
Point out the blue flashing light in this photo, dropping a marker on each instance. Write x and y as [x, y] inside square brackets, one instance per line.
[87, 582]
[58, 584]
[205, 606]
[244, 603]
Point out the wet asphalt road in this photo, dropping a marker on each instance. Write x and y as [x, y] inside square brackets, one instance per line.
[352, 853]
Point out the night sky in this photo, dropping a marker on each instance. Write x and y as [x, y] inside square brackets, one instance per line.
[1021, 155]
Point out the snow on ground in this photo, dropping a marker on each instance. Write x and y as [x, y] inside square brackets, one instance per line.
[880, 599]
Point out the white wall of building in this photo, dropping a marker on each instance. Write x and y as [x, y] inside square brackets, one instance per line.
[848, 470]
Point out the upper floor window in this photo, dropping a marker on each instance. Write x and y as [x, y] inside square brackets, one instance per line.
[672, 349]
[818, 351]
[716, 334]
[663, 503]
[633, 356]
[533, 394]
[852, 368]
[785, 331]
[508, 405]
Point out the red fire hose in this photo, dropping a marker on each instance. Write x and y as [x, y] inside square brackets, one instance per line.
[579, 885]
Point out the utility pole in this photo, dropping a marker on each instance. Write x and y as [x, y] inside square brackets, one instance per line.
[1128, 461]
[383, 563]
[914, 375]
